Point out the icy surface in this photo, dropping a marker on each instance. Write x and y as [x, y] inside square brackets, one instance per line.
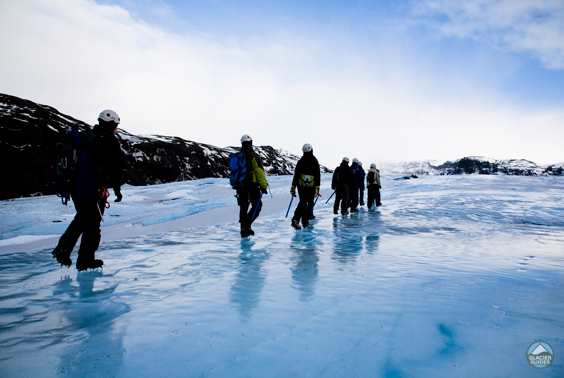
[453, 277]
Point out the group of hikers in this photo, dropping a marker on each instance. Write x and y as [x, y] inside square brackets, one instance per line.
[97, 162]
[249, 180]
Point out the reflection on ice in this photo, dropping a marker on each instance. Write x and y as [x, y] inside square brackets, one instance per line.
[305, 267]
[249, 281]
[90, 325]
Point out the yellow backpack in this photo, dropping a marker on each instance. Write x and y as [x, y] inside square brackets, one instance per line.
[258, 175]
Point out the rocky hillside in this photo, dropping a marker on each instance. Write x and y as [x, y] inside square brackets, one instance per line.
[30, 133]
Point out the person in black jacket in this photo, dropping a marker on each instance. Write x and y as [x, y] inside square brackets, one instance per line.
[99, 166]
[307, 179]
[343, 181]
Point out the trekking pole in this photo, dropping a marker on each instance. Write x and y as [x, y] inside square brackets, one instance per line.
[328, 199]
[100, 212]
[289, 206]
[316, 198]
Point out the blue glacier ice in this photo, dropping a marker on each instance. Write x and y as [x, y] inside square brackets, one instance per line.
[453, 277]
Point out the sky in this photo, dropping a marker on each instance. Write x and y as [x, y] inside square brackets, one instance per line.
[376, 80]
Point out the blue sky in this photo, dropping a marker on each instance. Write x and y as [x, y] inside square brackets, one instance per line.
[360, 25]
[396, 80]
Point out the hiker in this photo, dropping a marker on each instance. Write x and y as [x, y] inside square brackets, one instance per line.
[97, 166]
[249, 180]
[307, 179]
[342, 182]
[374, 185]
[357, 192]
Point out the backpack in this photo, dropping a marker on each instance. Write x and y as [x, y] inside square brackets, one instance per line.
[306, 181]
[65, 169]
[370, 178]
[239, 169]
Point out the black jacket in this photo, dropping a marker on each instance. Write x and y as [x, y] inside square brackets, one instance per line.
[343, 176]
[307, 165]
[100, 162]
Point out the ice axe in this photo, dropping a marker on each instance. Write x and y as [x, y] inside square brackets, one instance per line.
[328, 199]
[289, 206]
[316, 198]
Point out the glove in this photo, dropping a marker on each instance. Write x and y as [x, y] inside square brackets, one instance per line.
[293, 191]
[317, 191]
[118, 194]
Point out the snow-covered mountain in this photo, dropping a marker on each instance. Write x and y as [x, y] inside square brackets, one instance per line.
[30, 133]
[474, 165]
[488, 166]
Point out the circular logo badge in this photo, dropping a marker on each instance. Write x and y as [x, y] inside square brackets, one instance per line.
[540, 354]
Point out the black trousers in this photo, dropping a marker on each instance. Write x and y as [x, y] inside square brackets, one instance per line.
[361, 196]
[86, 222]
[342, 198]
[305, 206]
[246, 197]
[354, 195]
[373, 196]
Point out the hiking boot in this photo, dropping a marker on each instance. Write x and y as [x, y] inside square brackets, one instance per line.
[296, 224]
[62, 257]
[246, 232]
[82, 265]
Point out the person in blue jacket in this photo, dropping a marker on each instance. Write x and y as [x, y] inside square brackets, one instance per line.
[99, 164]
[357, 193]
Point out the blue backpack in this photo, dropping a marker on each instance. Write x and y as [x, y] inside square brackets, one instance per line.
[239, 169]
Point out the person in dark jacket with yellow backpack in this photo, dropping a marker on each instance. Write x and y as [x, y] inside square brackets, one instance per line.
[249, 180]
[307, 179]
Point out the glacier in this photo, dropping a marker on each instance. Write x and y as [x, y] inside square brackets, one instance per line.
[455, 276]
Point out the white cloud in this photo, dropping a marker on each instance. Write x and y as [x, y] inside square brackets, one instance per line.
[81, 57]
[532, 26]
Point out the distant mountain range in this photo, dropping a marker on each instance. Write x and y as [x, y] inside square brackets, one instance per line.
[476, 165]
[30, 132]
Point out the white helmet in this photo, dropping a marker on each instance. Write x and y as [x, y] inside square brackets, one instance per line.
[372, 166]
[109, 116]
[355, 160]
[307, 148]
[346, 160]
[246, 138]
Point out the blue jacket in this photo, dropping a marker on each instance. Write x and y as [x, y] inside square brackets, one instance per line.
[359, 175]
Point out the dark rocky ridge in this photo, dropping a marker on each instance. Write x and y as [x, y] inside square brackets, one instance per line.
[30, 132]
[512, 167]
